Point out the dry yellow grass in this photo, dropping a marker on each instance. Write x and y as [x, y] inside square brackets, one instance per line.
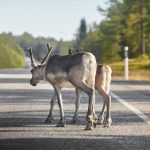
[138, 69]
[140, 75]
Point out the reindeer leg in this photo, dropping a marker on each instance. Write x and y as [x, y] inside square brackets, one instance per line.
[50, 118]
[108, 115]
[60, 103]
[91, 116]
[107, 88]
[94, 114]
[107, 103]
[77, 104]
[101, 116]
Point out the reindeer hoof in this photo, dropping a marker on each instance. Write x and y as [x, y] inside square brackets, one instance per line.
[108, 123]
[49, 120]
[89, 127]
[60, 124]
[75, 121]
[94, 124]
[100, 120]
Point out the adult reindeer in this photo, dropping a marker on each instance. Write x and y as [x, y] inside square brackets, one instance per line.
[79, 69]
[102, 85]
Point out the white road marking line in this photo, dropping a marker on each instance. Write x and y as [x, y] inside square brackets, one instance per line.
[15, 76]
[131, 107]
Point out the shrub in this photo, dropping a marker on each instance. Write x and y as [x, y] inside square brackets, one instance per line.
[11, 55]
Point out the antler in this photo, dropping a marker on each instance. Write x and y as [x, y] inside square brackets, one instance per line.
[69, 51]
[44, 61]
[49, 47]
[33, 64]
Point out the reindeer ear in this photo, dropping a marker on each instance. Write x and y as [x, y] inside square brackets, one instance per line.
[44, 61]
[33, 64]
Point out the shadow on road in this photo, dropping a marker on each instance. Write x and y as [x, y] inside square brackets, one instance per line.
[37, 117]
[99, 143]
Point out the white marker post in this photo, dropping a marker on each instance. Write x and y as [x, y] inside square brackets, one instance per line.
[126, 68]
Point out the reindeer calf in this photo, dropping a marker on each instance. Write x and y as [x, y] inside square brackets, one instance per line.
[102, 85]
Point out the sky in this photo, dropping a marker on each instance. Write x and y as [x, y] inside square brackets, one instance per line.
[59, 19]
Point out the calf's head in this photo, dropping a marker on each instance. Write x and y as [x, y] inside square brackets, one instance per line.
[36, 71]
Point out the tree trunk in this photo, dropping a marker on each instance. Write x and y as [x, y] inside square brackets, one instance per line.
[142, 46]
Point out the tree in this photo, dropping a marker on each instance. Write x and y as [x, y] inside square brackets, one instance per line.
[81, 34]
[125, 25]
[92, 44]
[11, 54]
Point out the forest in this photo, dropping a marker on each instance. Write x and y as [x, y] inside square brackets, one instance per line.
[125, 23]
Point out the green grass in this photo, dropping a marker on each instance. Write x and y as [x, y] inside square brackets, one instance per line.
[139, 69]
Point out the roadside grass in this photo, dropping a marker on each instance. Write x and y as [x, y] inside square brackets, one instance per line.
[138, 69]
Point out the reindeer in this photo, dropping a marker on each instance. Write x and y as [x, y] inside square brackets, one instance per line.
[102, 85]
[79, 69]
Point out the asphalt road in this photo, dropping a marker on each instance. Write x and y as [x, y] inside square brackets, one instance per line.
[24, 108]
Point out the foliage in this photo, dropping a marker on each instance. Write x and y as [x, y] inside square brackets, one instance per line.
[65, 46]
[126, 23]
[81, 34]
[144, 58]
[11, 54]
[14, 48]
[138, 69]
[38, 44]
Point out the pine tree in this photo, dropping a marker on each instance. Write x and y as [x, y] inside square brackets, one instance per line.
[81, 34]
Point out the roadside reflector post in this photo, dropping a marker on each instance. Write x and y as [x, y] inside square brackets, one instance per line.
[126, 65]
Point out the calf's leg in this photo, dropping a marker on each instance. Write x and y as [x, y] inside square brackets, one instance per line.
[107, 102]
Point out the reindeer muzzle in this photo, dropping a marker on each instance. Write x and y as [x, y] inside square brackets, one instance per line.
[33, 83]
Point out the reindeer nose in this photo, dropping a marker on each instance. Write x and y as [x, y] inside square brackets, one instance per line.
[32, 83]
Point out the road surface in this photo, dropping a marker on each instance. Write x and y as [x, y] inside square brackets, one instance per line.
[24, 108]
